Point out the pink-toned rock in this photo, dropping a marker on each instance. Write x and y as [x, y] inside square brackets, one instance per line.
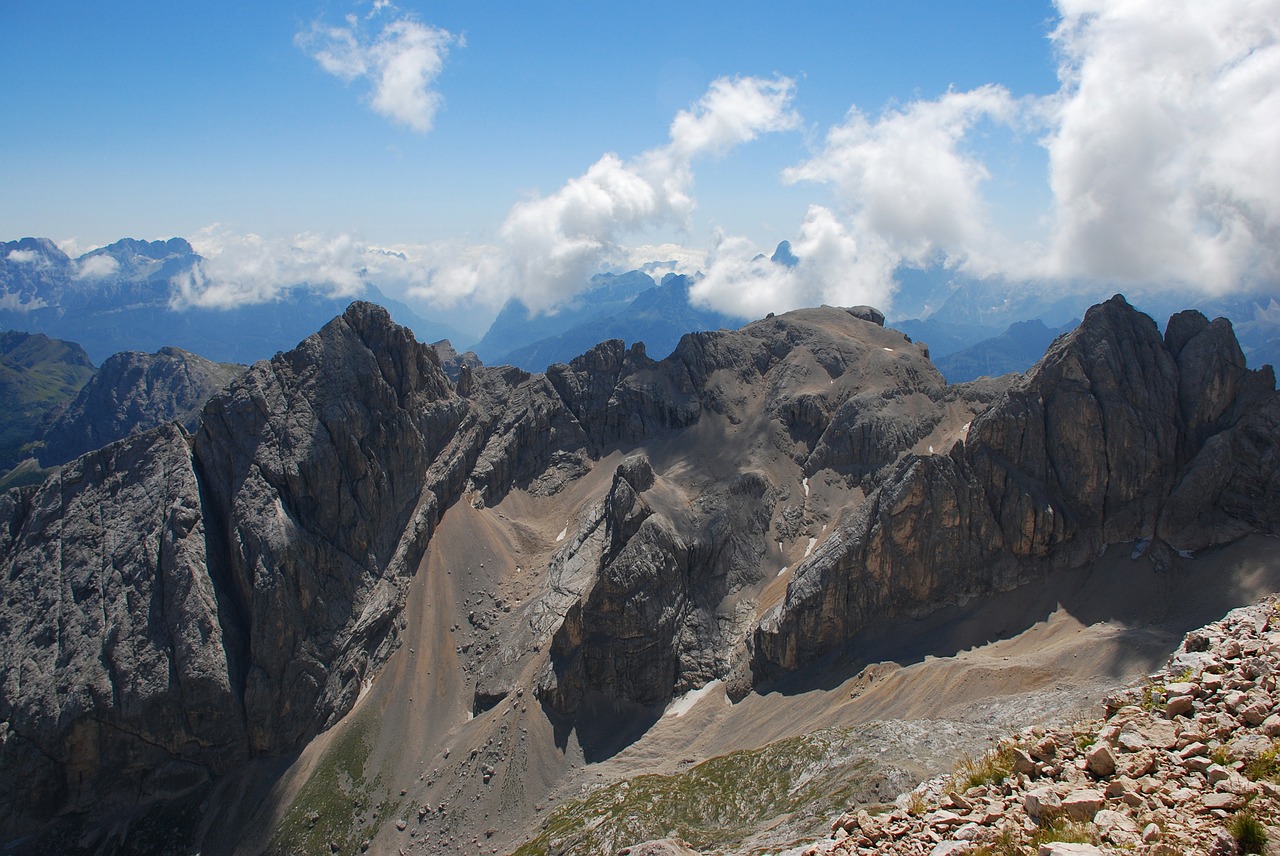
[1062, 848]
[1255, 713]
[1224, 801]
[1082, 805]
[1042, 801]
[1179, 706]
[1100, 760]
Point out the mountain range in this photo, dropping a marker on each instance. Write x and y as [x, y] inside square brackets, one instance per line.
[362, 605]
[121, 297]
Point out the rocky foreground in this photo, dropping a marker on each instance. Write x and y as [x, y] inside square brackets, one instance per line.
[1177, 766]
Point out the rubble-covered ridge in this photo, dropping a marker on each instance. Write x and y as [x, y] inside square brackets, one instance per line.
[1171, 769]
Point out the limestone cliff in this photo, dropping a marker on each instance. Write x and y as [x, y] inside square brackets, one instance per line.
[1117, 434]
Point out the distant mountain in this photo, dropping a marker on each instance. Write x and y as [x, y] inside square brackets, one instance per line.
[627, 306]
[516, 327]
[658, 317]
[38, 377]
[1014, 350]
[117, 298]
[133, 392]
[951, 311]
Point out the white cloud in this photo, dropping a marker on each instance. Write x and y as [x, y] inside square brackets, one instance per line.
[96, 267]
[245, 269]
[556, 242]
[1162, 144]
[1163, 150]
[908, 191]
[23, 257]
[834, 266]
[907, 178]
[400, 63]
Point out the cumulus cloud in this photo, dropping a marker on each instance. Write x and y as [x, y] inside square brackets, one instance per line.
[907, 177]
[908, 191]
[1164, 141]
[23, 257]
[400, 62]
[832, 265]
[237, 269]
[96, 267]
[556, 242]
[1161, 144]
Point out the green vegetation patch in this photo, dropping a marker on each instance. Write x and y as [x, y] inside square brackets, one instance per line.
[337, 805]
[990, 769]
[1249, 832]
[718, 803]
[1266, 765]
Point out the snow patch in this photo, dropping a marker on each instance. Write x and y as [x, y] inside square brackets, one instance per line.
[930, 450]
[805, 482]
[563, 532]
[784, 570]
[809, 549]
[890, 350]
[682, 705]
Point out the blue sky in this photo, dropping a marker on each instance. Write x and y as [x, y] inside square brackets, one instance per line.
[981, 137]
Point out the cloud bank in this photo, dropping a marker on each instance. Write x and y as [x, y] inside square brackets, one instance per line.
[1161, 145]
[1164, 140]
[550, 245]
[400, 63]
[556, 242]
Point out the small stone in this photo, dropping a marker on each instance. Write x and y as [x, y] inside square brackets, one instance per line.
[951, 848]
[1045, 750]
[1062, 848]
[1082, 805]
[1223, 801]
[1179, 706]
[1042, 801]
[1256, 713]
[1022, 762]
[1150, 833]
[1100, 760]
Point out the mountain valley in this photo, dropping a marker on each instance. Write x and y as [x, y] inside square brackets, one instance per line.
[361, 602]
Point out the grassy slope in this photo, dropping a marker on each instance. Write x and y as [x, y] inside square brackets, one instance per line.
[721, 802]
[38, 376]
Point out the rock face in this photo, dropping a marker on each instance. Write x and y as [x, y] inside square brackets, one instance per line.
[650, 625]
[316, 467]
[133, 392]
[1117, 434]
[119, 684]
[221, 595]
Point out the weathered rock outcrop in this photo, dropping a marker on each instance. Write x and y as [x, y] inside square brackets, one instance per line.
[1117, 434]
[175, 604]
[118, 682]
[133, 392]
[657, 619]
[320, 499]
